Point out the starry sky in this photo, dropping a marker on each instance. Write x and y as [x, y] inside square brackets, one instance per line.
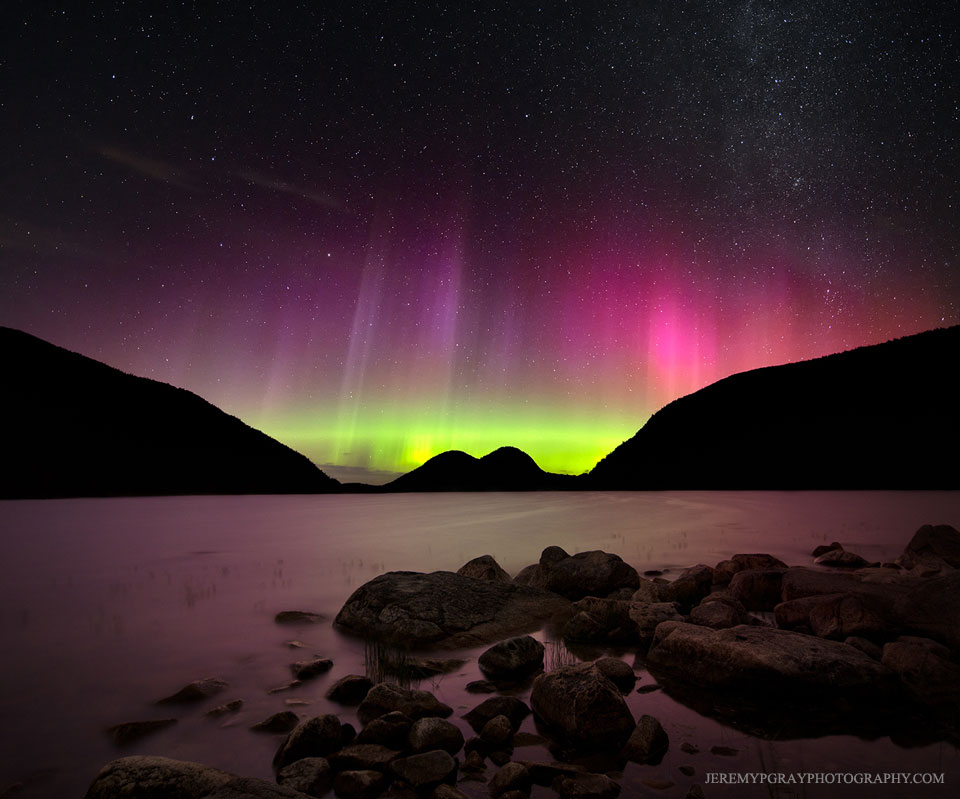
[378, 231]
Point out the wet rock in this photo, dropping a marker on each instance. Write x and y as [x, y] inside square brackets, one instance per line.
[285, 687]
[586, 786]
[500, 757]
[484, 568]
[228, 707]
[360, 784]
[512, 659]
[315, 737]
[930, 608]
[593, 573]
[552, 555]
[723, 572]
[284, 721]
[823, 549]
[648, 617]
[428, 768]
[648, 592]
[868, 648]
[532, 576]
[758, 660]
[929, 644]
[481, 687]
[433, 733]
[390, 729]
[443, 609]
[386, 697]
[350, 690]
[648, 689]
[717, 615]
[689, 588]
[298, 617]
[497, 732]
[582, 707]
[929, 678]
[309, 775]
[689, 748]
[511, 707]
[308, 669]
[845, 616]
[795, 614]
[362, 757]
[648, 743]
[618, 672]
[602, 620]
[841, 558]
[130, 731]
[158, 777]
[444, 791]
[196, 691]
[939, 541]
[474, 761]
[758, 589]
[512, 777]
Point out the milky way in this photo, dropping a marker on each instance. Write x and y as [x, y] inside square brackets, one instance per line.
[387, 230]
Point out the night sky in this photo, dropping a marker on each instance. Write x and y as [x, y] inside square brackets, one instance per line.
[378, 231]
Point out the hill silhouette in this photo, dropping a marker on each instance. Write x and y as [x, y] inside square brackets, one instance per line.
[77, 427]
[504, 469]
[878, 417]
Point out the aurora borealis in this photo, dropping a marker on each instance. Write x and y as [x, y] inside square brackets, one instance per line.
[380, 231]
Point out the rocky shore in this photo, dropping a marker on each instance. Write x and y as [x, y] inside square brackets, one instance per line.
[834, 645]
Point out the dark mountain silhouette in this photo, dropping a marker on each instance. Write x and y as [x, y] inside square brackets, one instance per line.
[505, 469]
[879, 417]
[77, 427]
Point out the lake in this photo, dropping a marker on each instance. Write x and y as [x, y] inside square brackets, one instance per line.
[109, 604]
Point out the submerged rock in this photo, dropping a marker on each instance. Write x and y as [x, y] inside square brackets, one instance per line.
[316, 737]
[593, 573]
[841, 558]
[298, 617]
[443, 609]
[308, 669]
[279, 722]
[350, 690]
[386, 697]
[196, 691]
[512, 659]
[130, 731]
[164, 778]
[227, 707]
[511, 707]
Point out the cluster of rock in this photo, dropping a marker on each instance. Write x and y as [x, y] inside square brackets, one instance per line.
[876, 642]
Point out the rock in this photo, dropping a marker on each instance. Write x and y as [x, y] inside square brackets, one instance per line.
[882, 586]
[428, 768]
[481, 687]
[350, 690]
[362, 757]
[512, 777]
[552, 555]
[648, 689]
[687, 771]
[512, 659]
[497, 732]
[444, 791]
[845, 616]
[602, 620]
[758, 589]
[929, 678]
[390, 729]
[284, 721]
[474, 761]
[868, 648]
[443, 609]
[695, 792]
[309, 775]
[841, 558]
[648, 617]
[130, 731]
[228, 707]
[935, 541]
[582, 707]
[689, 748]
[648, 743]
[717, 615]
[315, 737]
[823, 549]
[500, 757]
[930, 608]
[586, 786]
[285, 687]
[161, 777]
[298, 617]
[690, 587]
[618, 672]
[532, 576]
[308, 669]
[593, 573]
[434, 733]
[648, 592]
[767, 661]
[725, 751]
[360, 784]
[583, 628]
[484, 568]
[795, 614]
[927, 643]
[386, 697]
[511, 707]
[658, 785]
[196, 691]
[723, 572]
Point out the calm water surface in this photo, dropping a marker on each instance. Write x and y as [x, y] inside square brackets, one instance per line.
[109, 604]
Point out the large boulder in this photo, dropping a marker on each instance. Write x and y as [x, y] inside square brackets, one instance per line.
[930, 608]
[386, 697]
[309, 775]
[940, 542]
[443, 609]
[723, 572]
[765, 660]
[433, 733]
[150, 777]
[844, 616]
[758, 589]
[927, 676]
[315, 737]
[593, 573]
[648, 617]
[601, 620]
[648, 743]
[580, 706]
[512, 659]
[795, 614]
[484, 568]
[689, 588]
